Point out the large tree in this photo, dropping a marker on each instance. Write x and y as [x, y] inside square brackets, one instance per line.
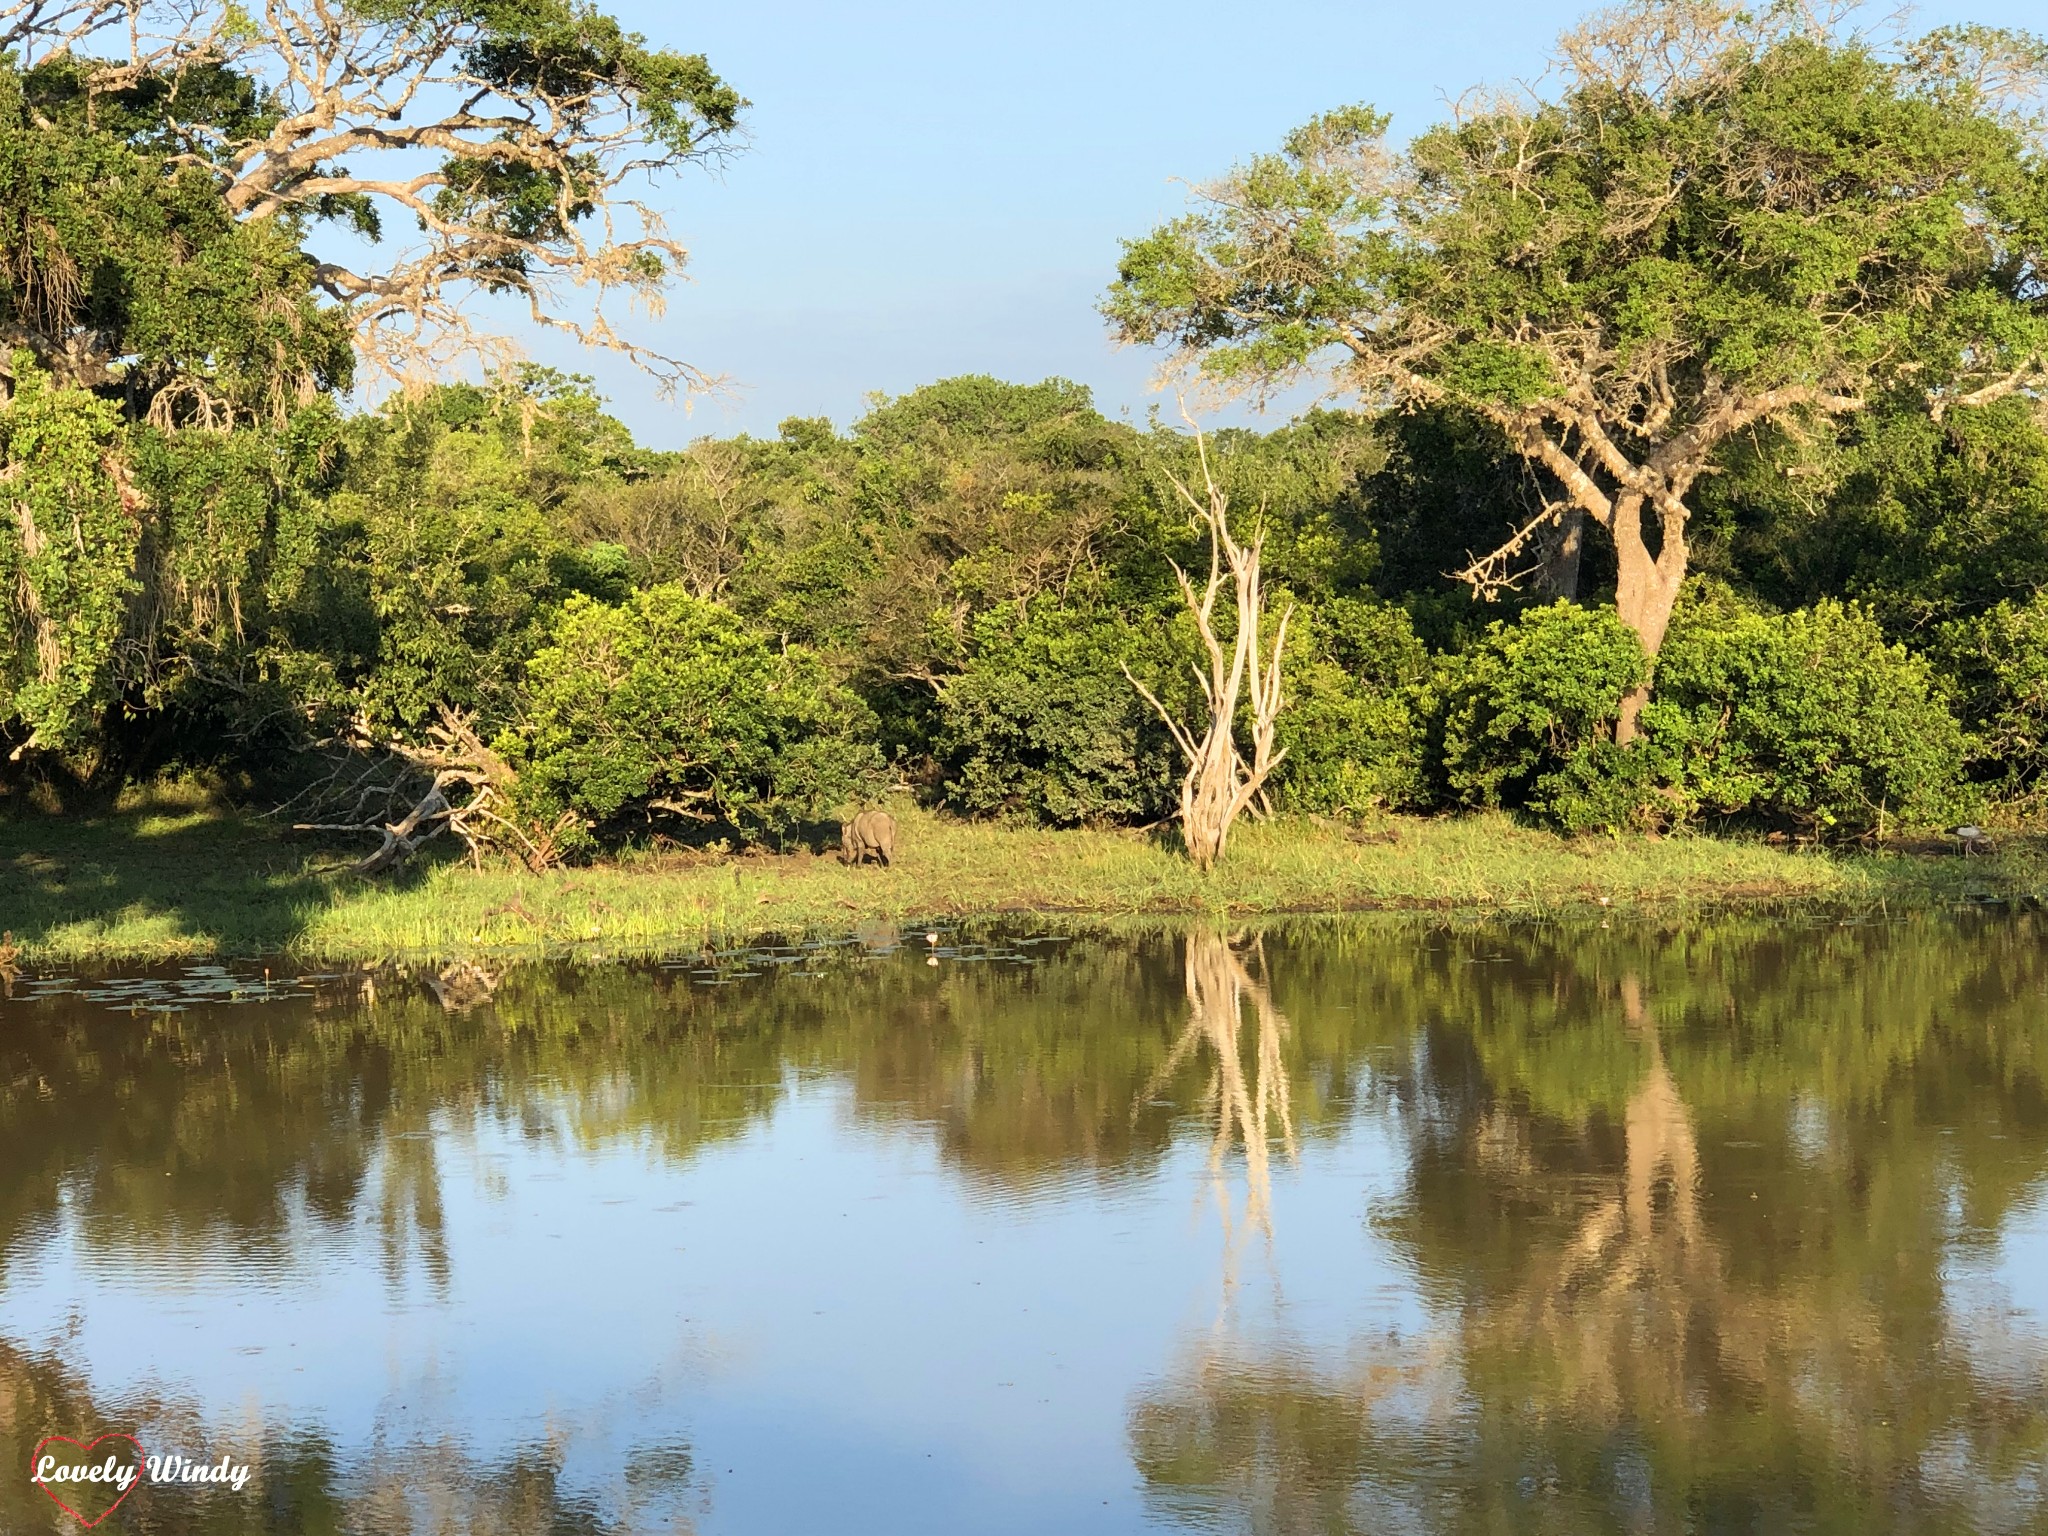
[1718, 220]
[514, 139]
[195, 200]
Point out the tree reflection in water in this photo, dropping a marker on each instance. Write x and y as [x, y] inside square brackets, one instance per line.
[300, 1484]
[1690, 1210]
[1637, 1331]
[1247, 1109]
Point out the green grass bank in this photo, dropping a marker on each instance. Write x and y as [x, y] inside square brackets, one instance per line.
[164, 877]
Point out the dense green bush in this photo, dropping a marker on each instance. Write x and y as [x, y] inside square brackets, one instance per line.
[1350, 726]
[67, 553]
[670, 698]
[446, 527]
[1808, 718]
[1043, 723]
[1527, 715]
[2000, 662]
[206, 561]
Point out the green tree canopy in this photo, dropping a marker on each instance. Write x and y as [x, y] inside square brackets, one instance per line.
[1720, 220]
[670, 703]
[515, 139]
[128, 273]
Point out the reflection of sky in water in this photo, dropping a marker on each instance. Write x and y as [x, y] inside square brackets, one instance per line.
[846, 1334]
[2022, 1262]
[2018, 1268]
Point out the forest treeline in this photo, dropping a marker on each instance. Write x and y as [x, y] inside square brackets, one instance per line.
[948, 596]
[1771, 555]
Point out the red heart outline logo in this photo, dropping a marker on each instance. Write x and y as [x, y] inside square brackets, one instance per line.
[36, 1457]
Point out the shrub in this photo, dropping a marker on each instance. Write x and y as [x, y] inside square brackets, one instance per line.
[1809, 718]
[1527, 715]
[2000, 661]
[671, 698]
[1350, 727]
[1042, 723]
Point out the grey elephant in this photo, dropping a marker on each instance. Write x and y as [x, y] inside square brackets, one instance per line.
[869, 833]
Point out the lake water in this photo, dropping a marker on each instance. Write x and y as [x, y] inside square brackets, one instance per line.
[1375, 1226]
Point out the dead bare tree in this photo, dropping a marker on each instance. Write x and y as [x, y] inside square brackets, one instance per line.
[406, 795]
[1219, 782]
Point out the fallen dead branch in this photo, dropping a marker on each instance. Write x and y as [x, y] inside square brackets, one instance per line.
[406, 795]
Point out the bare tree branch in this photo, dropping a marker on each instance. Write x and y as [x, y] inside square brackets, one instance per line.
[520, 158]
[1219, 783]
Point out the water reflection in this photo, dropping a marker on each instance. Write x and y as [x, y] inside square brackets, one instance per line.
[299, 1481]
[1700, 1269]
[1248, 1110]
[1534, 1229]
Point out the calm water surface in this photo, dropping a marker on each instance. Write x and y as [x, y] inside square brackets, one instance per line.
[1740, 1225]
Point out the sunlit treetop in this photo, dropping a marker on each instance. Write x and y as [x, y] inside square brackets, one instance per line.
[1705, 220]
[424, 152]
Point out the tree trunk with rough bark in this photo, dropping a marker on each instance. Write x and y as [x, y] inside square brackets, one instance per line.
[1563, 554]
[1646, 590]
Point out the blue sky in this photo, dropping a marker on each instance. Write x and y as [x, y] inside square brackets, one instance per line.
[933, 188]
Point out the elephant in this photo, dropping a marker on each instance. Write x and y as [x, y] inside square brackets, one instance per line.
[871, 832]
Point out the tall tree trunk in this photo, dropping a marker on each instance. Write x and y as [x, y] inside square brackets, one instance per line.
[1645, 591]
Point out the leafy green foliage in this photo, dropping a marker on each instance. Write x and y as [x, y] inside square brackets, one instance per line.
[232, 546]
[1779, 209]
[268, 585]
[1527, 715]
[668, 698]
[67, 548]
[445, 557]
[511, 140]
[128, 273]
[1351, 728]
[974, 494]
[1042, 722]
[1712, 221]
[1808, 718]
[1924, 522]
[2000, 662]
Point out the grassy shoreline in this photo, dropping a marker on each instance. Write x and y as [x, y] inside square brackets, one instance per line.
[166, 879]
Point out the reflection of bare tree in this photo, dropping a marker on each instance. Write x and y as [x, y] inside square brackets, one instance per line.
[462, 985]
[1246, 1109]
[1631, 1336]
